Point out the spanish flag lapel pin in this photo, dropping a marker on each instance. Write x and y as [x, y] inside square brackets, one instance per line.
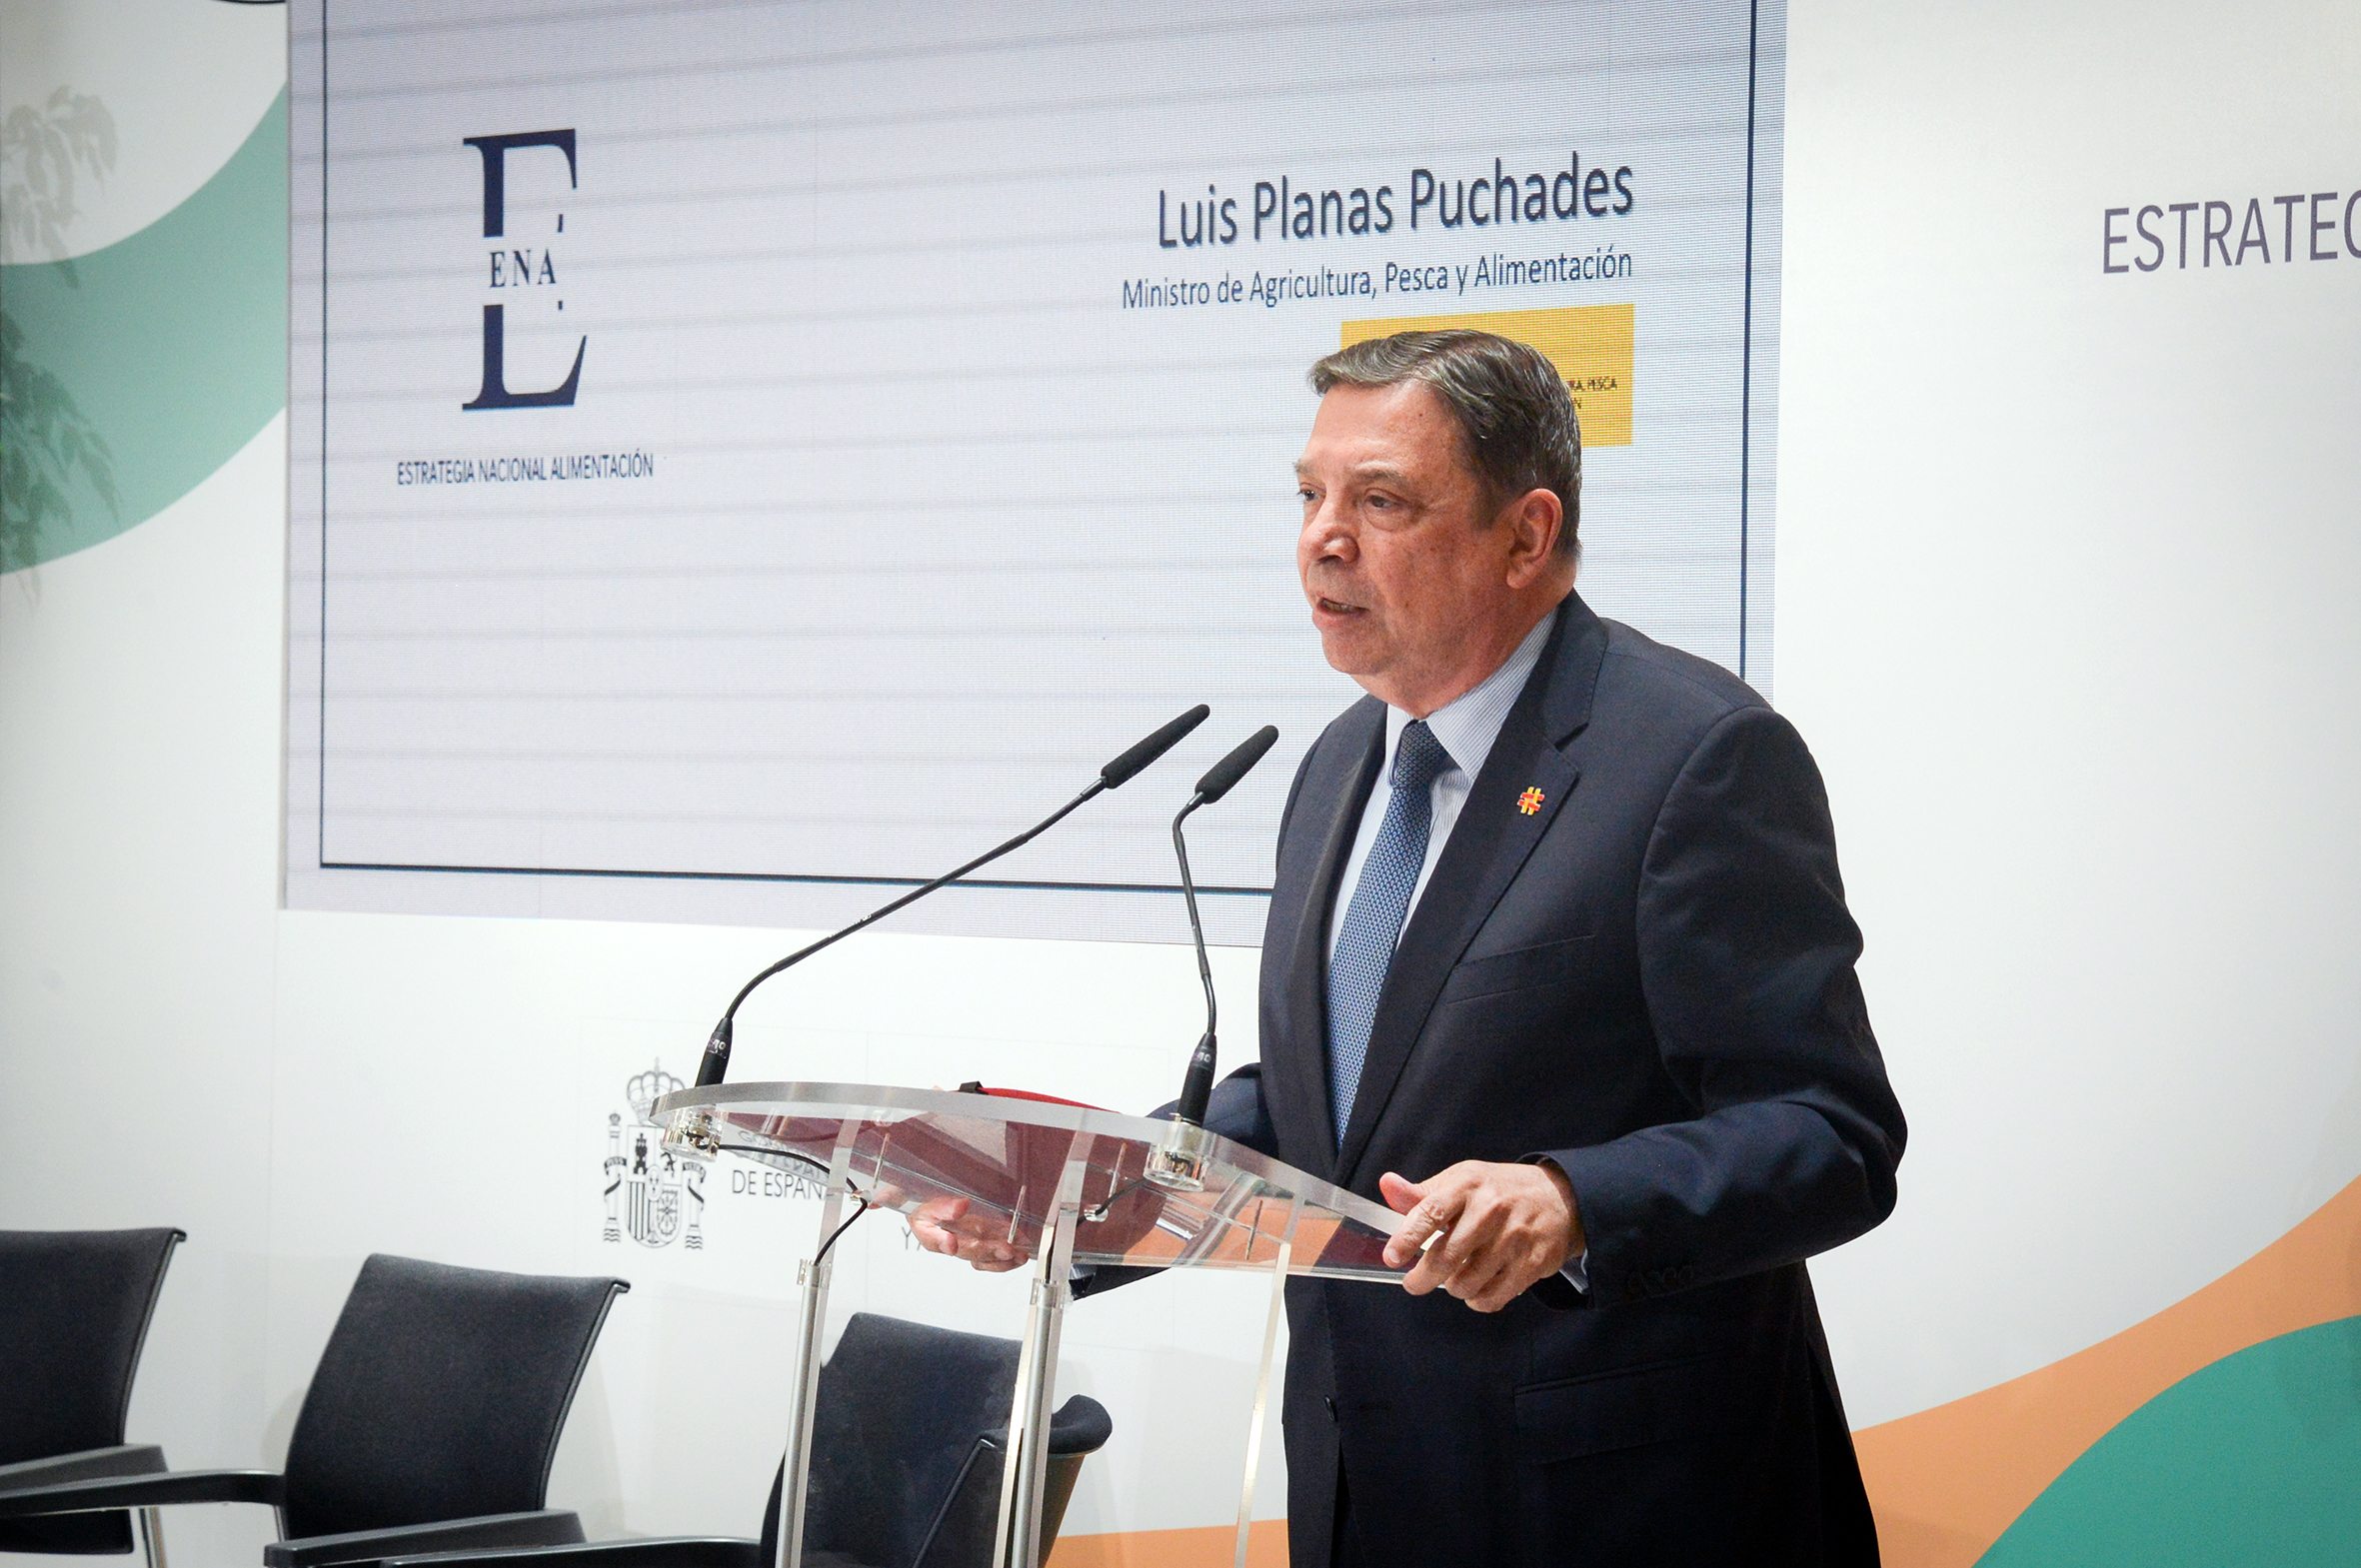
[1530, 801]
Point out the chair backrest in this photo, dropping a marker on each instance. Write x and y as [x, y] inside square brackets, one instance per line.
[906, 1457]
[73, 1312]
[964, 1531]
[440, 1395]
[901, 1407]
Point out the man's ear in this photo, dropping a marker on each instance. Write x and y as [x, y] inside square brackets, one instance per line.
[1533, 521]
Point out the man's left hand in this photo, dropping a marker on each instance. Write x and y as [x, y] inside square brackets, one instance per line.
[1500, 1228]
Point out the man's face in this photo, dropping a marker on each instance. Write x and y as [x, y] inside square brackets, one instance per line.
[1410, 590]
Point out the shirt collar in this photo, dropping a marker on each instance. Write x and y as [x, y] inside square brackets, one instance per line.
[1468, 724]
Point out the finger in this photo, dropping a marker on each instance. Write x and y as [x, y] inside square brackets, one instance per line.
[1498, 1273]
[994, 1258]
[1535, 1262]
[991, 1252]
[1428, 1216]
[1483, 1223]
[1484, 1286]
[1502, 1288]
[1473, 1233]
[930, 1222]
[1436, 1264]
[1417, 1245]
[1402, 1197]
[1436, 1224]
[945, 1225]
[936, 1239]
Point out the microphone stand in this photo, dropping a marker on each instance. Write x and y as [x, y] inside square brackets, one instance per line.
[1197, 1088]
[1114, 775]
[1178, 1162]
[715, 1063]
[694, 1129]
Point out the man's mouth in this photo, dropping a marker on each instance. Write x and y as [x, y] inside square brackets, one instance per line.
[1336, 607]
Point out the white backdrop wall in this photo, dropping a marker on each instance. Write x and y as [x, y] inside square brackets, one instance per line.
[2067, 578]
[139, 938]
[2067, 561]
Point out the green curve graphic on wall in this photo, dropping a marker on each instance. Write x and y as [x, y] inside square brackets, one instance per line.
[171, 343]
[2256, 1460]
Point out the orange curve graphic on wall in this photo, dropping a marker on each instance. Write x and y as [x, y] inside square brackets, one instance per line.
[1946, 1482]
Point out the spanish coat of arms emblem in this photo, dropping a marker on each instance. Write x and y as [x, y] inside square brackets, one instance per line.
[654, 1195]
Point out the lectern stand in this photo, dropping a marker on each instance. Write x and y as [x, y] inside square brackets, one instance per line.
[1062, 1184]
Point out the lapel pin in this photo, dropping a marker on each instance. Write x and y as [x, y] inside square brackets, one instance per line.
[1530, 801]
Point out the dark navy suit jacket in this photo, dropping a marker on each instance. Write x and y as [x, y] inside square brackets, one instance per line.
[1648, 978]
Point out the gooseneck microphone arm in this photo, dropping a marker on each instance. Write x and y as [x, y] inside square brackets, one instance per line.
[716, 1063]
[717, 1047]
[1197, 1088]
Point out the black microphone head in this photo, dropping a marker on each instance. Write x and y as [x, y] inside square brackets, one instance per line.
[1120, 772]
[1223, 775]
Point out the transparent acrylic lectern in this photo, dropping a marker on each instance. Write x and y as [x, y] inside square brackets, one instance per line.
[1062, 1182]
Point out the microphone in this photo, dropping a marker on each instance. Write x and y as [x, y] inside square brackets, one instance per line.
[1198, 1088]
[1114, 775]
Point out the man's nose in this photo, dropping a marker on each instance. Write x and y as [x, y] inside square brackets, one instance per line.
[1326, 533]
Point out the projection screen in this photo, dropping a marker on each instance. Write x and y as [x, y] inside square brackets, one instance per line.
[749, 457]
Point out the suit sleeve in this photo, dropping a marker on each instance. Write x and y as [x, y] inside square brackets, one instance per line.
[1746, 957]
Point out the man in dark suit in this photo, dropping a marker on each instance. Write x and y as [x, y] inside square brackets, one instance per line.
[1559, 966]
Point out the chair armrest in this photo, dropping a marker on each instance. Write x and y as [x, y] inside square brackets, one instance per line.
[678, 1551]
[1080, 1426]
[91, 1464]
[146, 1491]
[542, 1527]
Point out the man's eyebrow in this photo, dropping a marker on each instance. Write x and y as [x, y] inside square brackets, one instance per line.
[1368, 471]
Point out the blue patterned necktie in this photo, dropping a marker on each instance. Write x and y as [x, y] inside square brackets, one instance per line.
[1373, 922]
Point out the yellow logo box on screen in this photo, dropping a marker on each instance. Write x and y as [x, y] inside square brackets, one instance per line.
[1590, 343]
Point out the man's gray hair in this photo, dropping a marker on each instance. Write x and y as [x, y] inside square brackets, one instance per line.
[1508, 401]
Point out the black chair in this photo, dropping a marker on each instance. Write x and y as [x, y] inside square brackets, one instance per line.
[430, 1423]
[73, 1312]
[908, 1439]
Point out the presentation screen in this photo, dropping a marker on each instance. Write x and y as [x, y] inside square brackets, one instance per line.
[749, 457]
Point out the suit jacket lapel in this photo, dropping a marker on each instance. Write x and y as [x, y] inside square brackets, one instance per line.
[1488, 847]
[1360, 751]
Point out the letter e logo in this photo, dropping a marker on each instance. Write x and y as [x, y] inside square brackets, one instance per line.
[495, 394]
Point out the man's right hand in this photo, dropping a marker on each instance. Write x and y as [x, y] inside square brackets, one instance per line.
[944, 1225]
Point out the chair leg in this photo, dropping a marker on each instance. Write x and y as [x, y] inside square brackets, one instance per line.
[151, 1536]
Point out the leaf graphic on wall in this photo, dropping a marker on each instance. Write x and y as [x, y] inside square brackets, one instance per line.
[44, 442]
[41, 151]
[45, 439]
